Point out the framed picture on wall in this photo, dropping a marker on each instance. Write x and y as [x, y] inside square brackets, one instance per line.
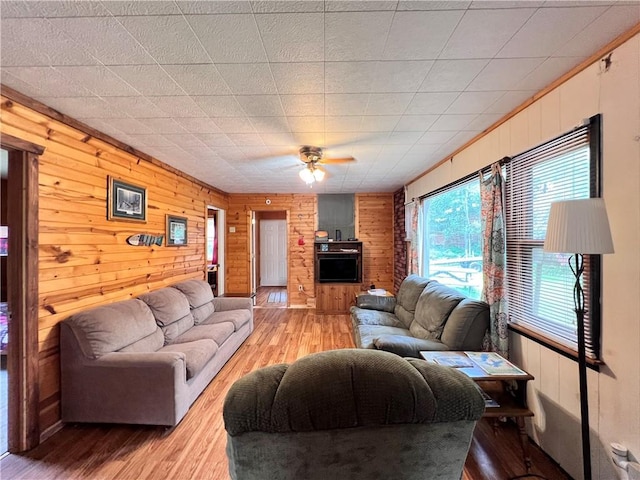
[126, 201]
[176, 231]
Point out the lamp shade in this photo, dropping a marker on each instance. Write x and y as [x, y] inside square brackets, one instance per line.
[578, 226]
[307, 175]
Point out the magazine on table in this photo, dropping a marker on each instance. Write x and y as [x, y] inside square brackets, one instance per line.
[453, 359]
[494, 364]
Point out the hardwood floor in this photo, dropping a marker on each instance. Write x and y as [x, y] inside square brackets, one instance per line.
[271, 297]
[195, 449]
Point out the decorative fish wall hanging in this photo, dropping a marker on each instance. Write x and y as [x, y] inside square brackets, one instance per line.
[145, 240]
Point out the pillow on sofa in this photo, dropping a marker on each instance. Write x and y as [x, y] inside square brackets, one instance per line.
[171, 311]
[407, 298]
[200, 297]
[434, 306]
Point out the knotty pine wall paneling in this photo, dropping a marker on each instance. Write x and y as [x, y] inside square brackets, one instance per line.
[84, 260]
[374, 228]
[301, 214]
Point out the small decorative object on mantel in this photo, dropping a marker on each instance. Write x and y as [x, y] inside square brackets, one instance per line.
[126, 201]
[176, 231]
[322, 236]
[145, 240]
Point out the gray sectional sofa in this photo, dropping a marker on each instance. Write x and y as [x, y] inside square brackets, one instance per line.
[425, 315]
[146, 360]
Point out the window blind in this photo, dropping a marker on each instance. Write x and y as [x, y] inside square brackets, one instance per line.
[540, 284]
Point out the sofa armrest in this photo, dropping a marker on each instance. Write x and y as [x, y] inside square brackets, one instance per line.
[223, 304]
[406, 346]
[376, 302]
[123, 387]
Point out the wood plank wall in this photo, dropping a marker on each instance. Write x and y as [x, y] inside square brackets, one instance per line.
[374, 228]
[84, 260]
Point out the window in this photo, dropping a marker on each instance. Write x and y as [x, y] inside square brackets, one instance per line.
[540, 284]
[452, 237]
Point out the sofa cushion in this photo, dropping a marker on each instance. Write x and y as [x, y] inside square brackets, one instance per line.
[435, 304]
[369, 333]
[363, 316]
[218, 332]
[466, 326]
[112, 327]
[150, 343]
[200, 297]
[406, 346]
[407, 298]
[196, 354]
[239, 318]
[171, 311]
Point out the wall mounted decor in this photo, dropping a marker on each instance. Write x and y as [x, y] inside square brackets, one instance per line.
[145, 240]
[126, 201]
[176, 231]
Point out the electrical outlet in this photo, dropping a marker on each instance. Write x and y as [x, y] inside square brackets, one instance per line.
[300, 288]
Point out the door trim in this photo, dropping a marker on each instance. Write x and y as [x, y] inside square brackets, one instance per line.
[22, 288]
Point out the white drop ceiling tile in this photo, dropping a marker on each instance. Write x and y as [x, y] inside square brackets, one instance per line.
[258, 152]
[21, 86]
[163, 125]
[452, 75]
[219, 105]
[432, 5]
[82, 107]
[415, 123]
[270, 124]
[178, 106]
[301, 77]
[70, 8]
[342, 123]
[601, 31]
[148, 79]
[201, 152]
[19, 9]
[99, 80]
[277, 6]
[451, 122]
[104, 126]
[169, 38]
[214, 139]
[247, 78]
[198, 79]
[215, 6]
[300, 105]
[510, 101]
[420, 35]
[36, 42]
[379, 123]
[435, 138]
[230, 154]
[388, 103]
[489, 29]
[234, 125]
[403, 138]
[49, 81]
[137, 107]
[104, 38]
[345, 104]
[349, 77]
[399, 76]
[356, 36]
[152, 140]
[473, 102]
[292, 37]
[309, 138]
[494, 4]
[547, 72]
[559, 26]
[198, 125]
[359, 5]
[483, 121]
[184, 140]
[130, 126]
[278, 139]
[504, 73]
[431, 103]
[229, 38]
[141, 8]
[306, 124]
[261, 105]
[245, 139]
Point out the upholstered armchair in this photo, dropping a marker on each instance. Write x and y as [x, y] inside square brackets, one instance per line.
[351, 414]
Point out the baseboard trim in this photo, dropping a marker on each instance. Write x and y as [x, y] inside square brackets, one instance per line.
[49, 432]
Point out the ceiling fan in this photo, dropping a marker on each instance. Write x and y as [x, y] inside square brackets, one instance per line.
[311, 157]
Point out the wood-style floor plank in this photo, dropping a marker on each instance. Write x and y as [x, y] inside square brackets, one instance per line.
[195, 449]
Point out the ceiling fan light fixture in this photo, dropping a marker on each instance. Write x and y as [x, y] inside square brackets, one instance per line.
[318, 174]
[307, 176]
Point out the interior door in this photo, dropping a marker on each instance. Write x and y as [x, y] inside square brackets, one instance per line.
[273, 253]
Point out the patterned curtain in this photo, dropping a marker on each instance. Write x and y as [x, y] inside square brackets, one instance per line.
[416, 238]
[493, 260]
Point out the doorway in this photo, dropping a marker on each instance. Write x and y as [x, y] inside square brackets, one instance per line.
[4, 317]
[215, 230]
[270, 259]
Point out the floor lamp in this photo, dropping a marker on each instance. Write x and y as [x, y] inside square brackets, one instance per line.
[580, 227]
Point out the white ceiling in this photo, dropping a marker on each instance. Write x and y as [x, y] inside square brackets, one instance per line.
[227, 91]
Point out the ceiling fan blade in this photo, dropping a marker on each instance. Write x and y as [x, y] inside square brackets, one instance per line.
[328, 161]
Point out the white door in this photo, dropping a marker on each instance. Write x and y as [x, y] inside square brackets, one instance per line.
[273, 253]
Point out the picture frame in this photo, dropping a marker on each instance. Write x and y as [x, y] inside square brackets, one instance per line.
[126, 201]
[176, 234]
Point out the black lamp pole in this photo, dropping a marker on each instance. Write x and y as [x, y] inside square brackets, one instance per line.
[578, 300]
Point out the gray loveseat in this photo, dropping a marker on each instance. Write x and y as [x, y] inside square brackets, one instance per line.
[146, 360]
[426, 315]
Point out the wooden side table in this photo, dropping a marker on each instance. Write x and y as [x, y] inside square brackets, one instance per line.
[509, 391]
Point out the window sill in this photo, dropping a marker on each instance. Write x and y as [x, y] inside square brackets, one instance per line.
[592, 363]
